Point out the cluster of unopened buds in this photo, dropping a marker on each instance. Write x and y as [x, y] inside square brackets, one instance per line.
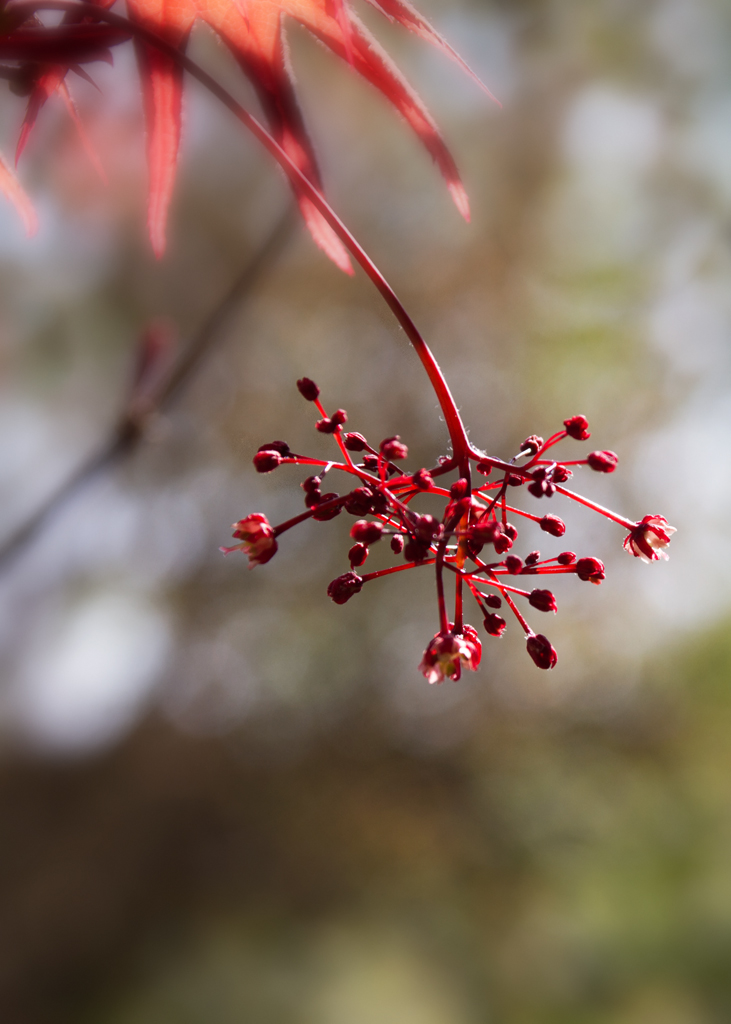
[472, 541]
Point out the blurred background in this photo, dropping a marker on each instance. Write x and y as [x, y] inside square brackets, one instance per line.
[224, 799]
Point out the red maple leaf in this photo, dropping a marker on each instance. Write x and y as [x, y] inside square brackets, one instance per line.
[253, 30]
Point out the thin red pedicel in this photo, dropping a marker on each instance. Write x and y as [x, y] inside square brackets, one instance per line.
[474, 538]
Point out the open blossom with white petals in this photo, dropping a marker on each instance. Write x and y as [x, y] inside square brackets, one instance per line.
[448, 653]
[257, 535]
[649, 538]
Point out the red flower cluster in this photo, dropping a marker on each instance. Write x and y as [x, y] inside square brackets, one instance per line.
[472, 540]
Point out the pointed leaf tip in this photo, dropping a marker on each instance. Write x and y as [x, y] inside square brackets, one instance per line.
[461, 200]
[324, 236]
[12, 188]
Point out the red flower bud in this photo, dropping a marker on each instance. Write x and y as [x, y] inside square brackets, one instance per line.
[426, 528]
[344, 587]
[416, 550]
[542, 482]
[493, 601]
[327, 513]
[553, 525]
[397, 543]
[266, 461]
[308, 389]
[459, 489]
[561, 474]
[355, 442]
[503, 543]
[603, 462]
[423, 480]
[515, 480]
[543, 600]
[532, 558]
[510, 531]
[494, 624]
[339, 417]
[275, 446]
[484, 467]
[332, 424]
[591, 570]
[513, 564]
[393, 450]
[360, 501]
[532, 444]
[566, 558]
[577, 427]
[366, 532]
[541, 651]
[485, 532]
[357, 555]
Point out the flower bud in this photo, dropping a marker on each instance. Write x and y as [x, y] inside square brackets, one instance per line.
[366, 532]
[327, 513]
[532, 445]
[266, 461]
[344, 587]
[393, 450]
[513, 564]
[355, 442]
[561, 474]
[493, 601]
[566, 558]
[330, 425]
[423, 480]
[416, 550]
[543, 600]
[542, 482]
[511, 531]
[397, 543]
[591, 570]
[515, 480]
[602, 462]
[532, 558]
[541, 651]
[312, 483]
[426, 528]
[486, 531]
[459, 489]
[359, 502]
[357, 555]
[553, 525]
[275, 446]
[494, 624]
[484, 467]
[577, 427]
[503, 543]
[308, 389]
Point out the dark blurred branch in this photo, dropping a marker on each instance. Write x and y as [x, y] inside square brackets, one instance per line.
[132, 426]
